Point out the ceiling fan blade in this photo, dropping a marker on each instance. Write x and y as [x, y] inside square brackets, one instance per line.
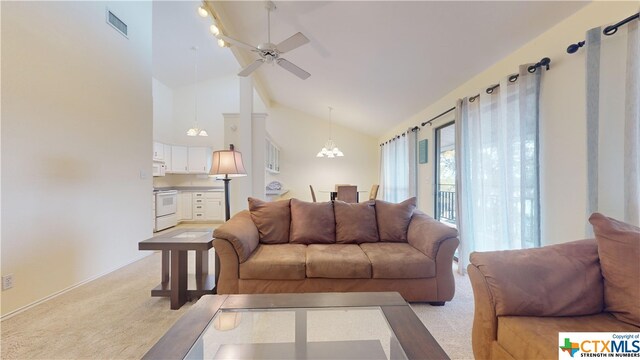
[291, 43]
[293, 69]
[237, 43]
[251, 68]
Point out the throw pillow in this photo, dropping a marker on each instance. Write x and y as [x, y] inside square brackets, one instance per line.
[272, 219]
[312, 223]
[619, 253]
[393, 219]
[355, 223]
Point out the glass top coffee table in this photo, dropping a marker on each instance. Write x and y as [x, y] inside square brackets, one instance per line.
[299, 326]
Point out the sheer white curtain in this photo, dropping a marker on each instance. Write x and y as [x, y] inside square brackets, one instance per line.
[613, 123]
[398, 167]
[497, 179]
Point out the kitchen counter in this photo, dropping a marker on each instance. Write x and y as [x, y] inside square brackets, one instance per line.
[191, 188]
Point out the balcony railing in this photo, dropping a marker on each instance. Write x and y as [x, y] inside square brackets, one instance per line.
[446, 206]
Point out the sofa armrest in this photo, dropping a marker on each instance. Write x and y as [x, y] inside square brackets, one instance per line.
[241, 232]
[427, 234]
[556, 280]
[227, 268]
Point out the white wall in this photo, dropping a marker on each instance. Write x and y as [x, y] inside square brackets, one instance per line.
[77, 134]
[563, 119]
[300, 136]
[162, 112]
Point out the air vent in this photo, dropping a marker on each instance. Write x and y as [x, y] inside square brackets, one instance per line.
[117, 24]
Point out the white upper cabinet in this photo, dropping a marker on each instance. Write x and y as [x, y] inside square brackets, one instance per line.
[183, 159]
[167, 157]
[179, 159]
[158, 151]
[199, 160]
[272, 157]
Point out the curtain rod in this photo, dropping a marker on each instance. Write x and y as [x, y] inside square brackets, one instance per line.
[609, 30]
[546, 62]
[438, 116]
[512, 78]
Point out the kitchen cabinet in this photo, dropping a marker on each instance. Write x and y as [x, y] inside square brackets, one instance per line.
[207, 206]
[167, 157]
[272, 157]
[214, 206]
[158, 151]
[200, 206]
[185, 206]
[179, 159]
[198, 160]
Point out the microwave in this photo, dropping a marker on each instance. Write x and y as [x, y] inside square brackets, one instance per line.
[159, 168]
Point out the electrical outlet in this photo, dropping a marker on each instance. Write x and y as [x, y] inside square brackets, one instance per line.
[7, 282]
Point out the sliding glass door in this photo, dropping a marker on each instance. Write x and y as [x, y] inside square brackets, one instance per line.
[445, 173]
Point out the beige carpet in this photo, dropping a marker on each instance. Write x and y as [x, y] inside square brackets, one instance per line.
[114, 317]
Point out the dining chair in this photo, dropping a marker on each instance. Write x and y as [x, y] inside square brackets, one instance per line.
[338, 185]
[374, 192]
[348, 193]
[313, 194]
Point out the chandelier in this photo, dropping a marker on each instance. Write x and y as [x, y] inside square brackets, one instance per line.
[330, 149]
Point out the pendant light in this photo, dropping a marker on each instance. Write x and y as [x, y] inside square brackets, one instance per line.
[330, 149]
[195, 131]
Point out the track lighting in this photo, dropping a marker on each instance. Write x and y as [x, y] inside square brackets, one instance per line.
[214, 30]
[202, 11]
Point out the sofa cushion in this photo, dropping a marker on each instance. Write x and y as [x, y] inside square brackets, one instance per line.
[393, 219]
[526, 337]
[275, 262]
[355, 223]
[272, 218]
[337, 261]
[619, 251]
[312, 223]
[398, 261]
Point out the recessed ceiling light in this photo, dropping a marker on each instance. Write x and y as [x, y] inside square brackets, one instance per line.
[221, 43]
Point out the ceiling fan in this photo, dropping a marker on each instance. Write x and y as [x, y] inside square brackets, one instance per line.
[270, 53]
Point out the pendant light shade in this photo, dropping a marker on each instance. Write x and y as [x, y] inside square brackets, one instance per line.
[330, 149]
[195, 130]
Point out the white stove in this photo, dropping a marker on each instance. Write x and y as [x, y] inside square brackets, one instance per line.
[166, 208]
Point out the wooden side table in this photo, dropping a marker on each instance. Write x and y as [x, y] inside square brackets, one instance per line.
[176, 282]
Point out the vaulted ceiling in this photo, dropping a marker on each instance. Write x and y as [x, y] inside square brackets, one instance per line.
[379, 62]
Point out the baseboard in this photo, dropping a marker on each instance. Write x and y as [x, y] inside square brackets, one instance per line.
[58, 293]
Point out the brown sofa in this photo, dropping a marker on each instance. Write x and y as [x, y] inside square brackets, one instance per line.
[524, 298]
[295, 246]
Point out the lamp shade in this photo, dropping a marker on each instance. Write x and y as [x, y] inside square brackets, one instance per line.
[228, 163]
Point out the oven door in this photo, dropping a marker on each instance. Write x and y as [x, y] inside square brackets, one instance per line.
[166, 203]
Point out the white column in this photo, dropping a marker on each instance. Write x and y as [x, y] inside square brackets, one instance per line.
[241, 188]
[259, 136]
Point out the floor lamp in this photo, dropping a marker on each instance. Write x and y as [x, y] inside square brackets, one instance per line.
[227, 163]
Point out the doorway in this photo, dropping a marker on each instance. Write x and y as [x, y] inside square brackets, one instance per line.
[445, 173]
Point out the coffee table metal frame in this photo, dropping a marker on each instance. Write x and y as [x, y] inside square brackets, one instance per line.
[176, 283]
[413, 336]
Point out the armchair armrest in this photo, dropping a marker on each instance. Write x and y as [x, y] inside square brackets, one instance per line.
[427, 234]
[556, 280]
[241, 232]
